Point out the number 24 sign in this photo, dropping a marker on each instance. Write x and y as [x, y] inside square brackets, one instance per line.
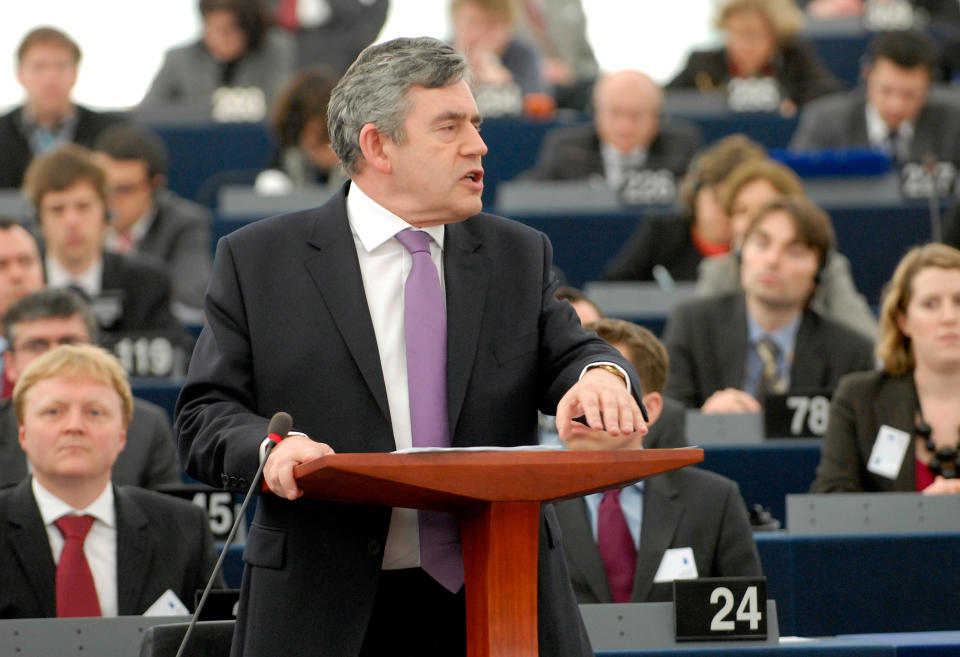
[720, 608]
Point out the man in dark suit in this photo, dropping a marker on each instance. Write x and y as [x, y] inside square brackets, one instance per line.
[129, 297]
[47, 62]
[626, 135]
[51, 317]
[147, 218]
[74, 405]
[665, 514]
[897, 111]
[308, 313]
[727, 351]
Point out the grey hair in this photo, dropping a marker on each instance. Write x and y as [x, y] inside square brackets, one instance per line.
[374, 90]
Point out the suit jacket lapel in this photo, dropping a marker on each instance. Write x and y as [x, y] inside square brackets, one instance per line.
[896, 406]
[661, 515]
[807, 369]
[581, 547]
[134, 554]
[27, 538]
[466, 272]
[731, 346]
[336, 273]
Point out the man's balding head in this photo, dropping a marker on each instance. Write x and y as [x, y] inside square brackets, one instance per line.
[627, 109]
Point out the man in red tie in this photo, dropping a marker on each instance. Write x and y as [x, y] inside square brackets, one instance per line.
[72, 544]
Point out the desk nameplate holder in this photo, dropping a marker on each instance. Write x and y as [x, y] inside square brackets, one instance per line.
[872, 513]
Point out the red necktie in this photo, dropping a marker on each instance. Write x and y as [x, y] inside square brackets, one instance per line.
[617, 549]
[76, 594]
[286, 15]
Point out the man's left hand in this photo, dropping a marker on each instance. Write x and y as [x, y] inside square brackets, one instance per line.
[601, 397]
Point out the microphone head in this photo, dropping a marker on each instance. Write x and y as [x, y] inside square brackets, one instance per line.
[280, 424]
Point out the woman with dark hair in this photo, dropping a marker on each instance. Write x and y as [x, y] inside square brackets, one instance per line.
[233, 71]
[910, 408]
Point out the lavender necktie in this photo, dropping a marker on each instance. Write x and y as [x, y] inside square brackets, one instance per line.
[425, 332]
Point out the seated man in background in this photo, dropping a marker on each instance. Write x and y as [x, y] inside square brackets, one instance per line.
[728, 351]
[626, 135]
[146, 217]
[20, 270]
[129, 297]
[666, 514]
[51, 317]
[47, 61]
[72, 542]
[896, 113]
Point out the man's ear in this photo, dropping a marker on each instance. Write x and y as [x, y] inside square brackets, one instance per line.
[374, 147]
[654, 403]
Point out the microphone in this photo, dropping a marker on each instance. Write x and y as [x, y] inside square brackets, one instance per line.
[936, 223]
[277, 430]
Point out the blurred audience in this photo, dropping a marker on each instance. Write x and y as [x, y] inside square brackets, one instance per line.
[128, 295]
[298, 118]
[762, 41]
[748, 188]
[727, 352]
[626, 135]
[895, 112]
[232, 72]
[74, 543]
[664, 514]
[505, 69]
[147, 218]
[330, 33]
[897, 429]
[21, 271]
[671, 248]
[47, 62]
[42, 321]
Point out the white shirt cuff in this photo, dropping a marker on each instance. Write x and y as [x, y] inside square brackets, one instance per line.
[626, 377]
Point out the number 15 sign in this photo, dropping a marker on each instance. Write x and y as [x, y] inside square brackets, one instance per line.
[720, 608]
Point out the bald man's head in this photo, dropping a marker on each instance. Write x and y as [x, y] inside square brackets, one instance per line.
[627, 106]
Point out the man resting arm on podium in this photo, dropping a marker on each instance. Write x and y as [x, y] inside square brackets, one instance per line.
[395, 315]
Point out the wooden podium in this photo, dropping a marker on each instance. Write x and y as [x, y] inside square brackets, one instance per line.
[498, 496]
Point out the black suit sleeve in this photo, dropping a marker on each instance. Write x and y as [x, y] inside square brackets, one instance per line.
[677, 337]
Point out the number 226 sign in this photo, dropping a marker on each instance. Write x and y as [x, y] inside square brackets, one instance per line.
[720, 608]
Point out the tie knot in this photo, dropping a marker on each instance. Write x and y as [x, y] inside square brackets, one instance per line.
[414, 241]
[74, 526]
[768, 348]
[611, 496]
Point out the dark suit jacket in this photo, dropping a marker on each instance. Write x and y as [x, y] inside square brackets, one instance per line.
[512, 349]
[162, 543]
[861, 404]
[839, 121]
[676, 514]
[148, 460]
[798, 68]
[180, 237]
[707, 341]
[670, 428]
[16, 149]
[656, 241]
[573, 152]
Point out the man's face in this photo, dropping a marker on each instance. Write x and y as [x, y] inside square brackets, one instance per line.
[73, 221]
[222, 35]
[129, 190]
[47, 72]
[435, 175]
[777, 269]
[898, 94]
[627, 111]
[72, 428]
[37, 336]
[20, 270]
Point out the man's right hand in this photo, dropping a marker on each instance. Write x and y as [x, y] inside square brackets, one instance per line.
[289, 453]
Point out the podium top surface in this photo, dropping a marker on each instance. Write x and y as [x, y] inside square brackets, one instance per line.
[452, 479]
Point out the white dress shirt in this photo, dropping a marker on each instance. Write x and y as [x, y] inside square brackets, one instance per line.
[90, 281]
[878, 133]
[384, 266]
[100, 546]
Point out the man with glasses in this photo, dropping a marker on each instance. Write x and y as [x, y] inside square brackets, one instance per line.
[53, 317]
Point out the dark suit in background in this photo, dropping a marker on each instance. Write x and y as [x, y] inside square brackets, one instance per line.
[162, 543]
[665, 241]
[682, 508]
[573, 152]
[512, 348]
[862, 403]
[148, 460]
[16, 149]
[708, 338]
[840, 121]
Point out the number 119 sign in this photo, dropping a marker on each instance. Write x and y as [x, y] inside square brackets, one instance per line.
[720, 608]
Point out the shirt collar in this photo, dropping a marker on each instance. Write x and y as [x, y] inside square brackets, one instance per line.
[374, 224]
[52, 507]
[784, 337]
[878, 132]
[89, 281]
[140, 227]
